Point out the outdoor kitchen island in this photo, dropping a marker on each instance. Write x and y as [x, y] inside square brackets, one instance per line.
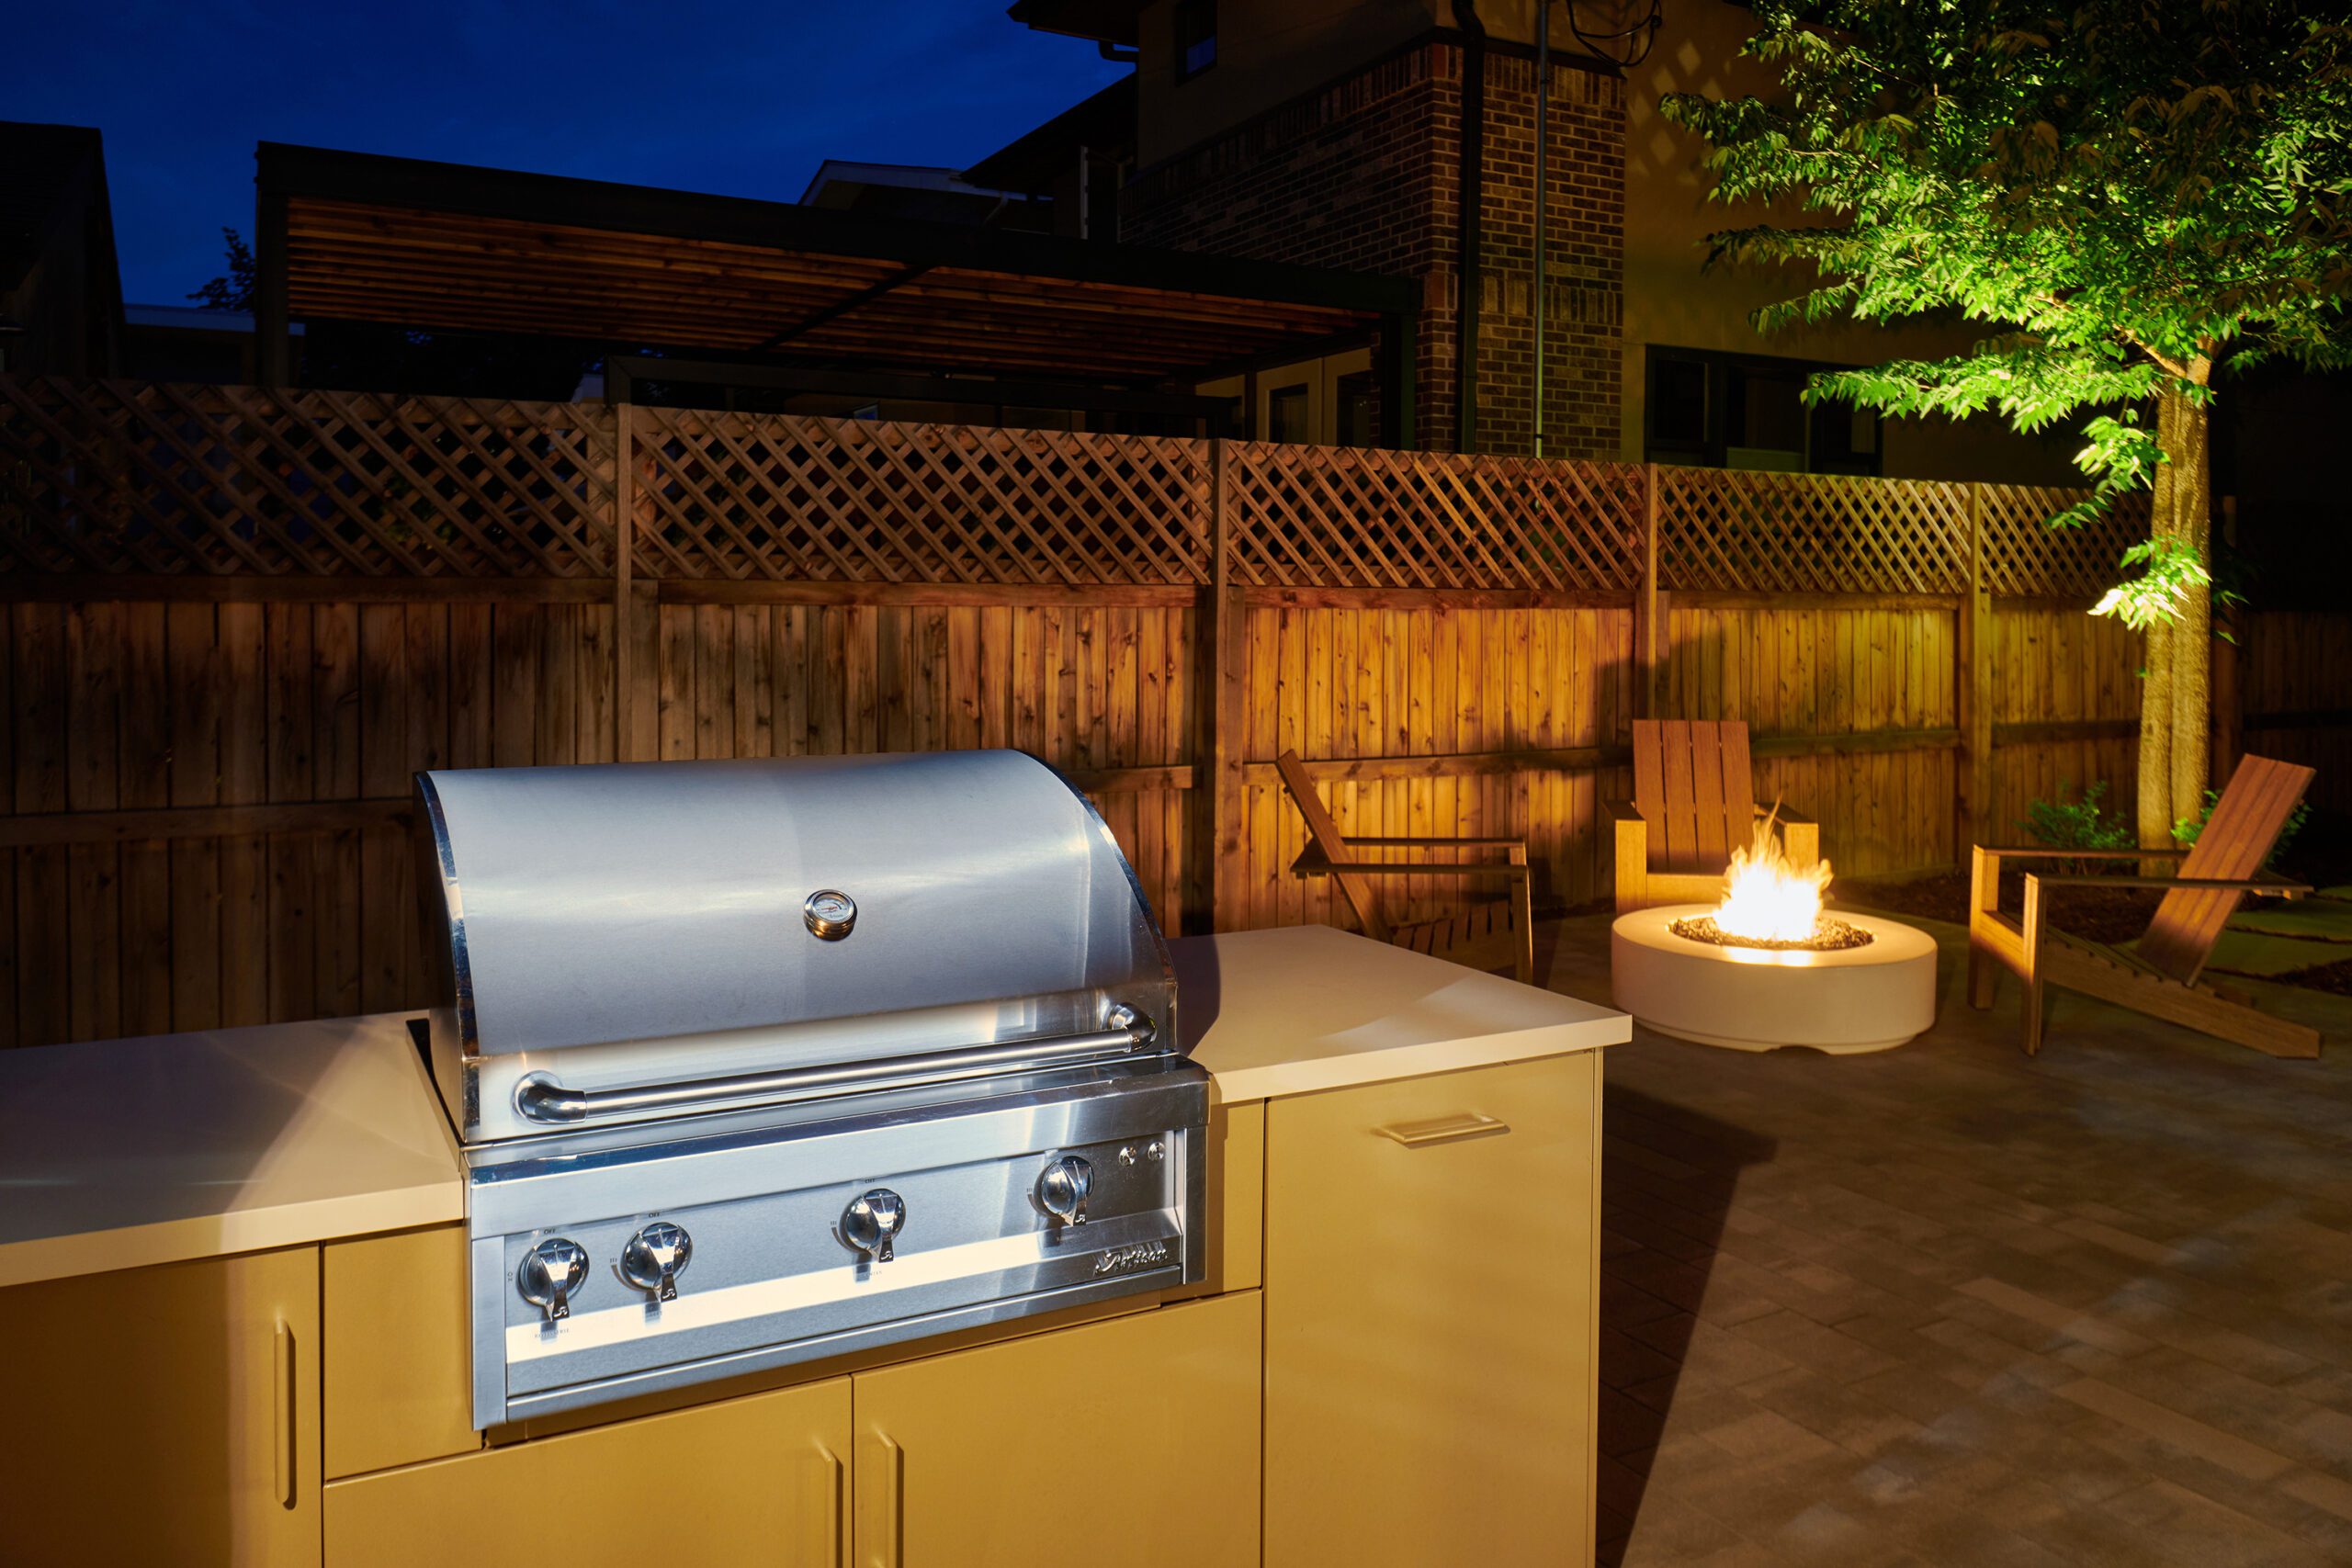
[233, 1304]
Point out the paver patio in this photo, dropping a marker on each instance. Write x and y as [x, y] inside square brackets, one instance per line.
[1947, 1306]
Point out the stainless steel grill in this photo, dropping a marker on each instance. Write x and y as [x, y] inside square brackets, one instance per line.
[756, 1061]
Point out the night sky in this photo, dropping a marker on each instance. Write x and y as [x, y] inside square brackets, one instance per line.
[740, 100]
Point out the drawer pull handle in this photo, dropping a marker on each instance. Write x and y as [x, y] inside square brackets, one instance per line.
[827, 1514]
[886, 1522]
[1443, 1130]
[282, 1444]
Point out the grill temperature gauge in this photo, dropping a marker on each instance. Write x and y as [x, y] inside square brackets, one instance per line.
[829, 914]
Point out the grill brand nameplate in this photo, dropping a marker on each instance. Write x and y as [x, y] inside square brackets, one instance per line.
[1121, 1259]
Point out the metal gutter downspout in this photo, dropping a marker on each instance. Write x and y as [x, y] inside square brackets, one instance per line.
[1543, 192]
[1473, 183]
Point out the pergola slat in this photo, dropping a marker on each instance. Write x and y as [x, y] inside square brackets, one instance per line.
[438, 246]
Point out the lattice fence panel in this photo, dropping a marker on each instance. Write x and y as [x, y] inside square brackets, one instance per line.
[1361, 518]
[136, 476]
[783, 497]
[1723, 529]
[2025, 555]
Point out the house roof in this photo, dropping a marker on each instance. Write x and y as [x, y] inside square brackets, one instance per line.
[1033, 161]
[193, 319]
[1104, 21]
[356, 236]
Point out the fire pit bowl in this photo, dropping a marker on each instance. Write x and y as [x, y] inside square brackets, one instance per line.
[1840, 1001]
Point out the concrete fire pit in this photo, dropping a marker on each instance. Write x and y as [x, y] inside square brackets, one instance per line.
[1842, 1001]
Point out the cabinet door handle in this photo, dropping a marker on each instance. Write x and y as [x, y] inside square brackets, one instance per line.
[886, 1519]
[1443, 1130]
[827, 1515]
[282, 1398]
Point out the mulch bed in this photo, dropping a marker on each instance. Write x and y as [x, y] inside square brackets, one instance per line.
[2336, 979]
[2099, 914]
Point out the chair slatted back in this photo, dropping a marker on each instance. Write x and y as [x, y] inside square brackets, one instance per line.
[1328, 840]
[2237, 838]
[1692, 786]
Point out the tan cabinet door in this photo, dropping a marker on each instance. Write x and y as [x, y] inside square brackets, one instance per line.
[1130, 1443]
[760, 1479]
[1431, 1262]
[165, 1415]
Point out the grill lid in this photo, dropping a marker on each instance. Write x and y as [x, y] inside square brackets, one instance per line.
[611, 902]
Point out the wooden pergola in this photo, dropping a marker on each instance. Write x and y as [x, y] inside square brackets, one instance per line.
[359, 237]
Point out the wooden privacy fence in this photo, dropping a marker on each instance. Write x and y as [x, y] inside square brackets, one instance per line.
[239, 620]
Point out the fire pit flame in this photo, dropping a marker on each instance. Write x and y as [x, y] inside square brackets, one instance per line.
[1768, 899]
[1771, 903]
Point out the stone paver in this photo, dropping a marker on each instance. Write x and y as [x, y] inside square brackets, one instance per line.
[1947, 1306]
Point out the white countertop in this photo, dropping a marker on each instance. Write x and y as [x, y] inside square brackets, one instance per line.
[1306, 1007]
[123, 1152]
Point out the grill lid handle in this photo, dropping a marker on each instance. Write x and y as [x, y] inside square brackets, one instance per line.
[540, 1098]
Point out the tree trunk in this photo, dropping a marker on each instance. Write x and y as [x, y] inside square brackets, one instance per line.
[2176, 701]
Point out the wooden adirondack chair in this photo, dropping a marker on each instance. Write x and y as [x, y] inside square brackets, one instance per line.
[1693, 803]
[2158, 973]
[1484, 936]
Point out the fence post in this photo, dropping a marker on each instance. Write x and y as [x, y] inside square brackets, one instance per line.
[2229, 626]
[1972, 691]
[624, 550]
[1221, 712]
[1646, 604]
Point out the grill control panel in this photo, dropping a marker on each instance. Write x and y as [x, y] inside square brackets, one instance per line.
[623, 1269]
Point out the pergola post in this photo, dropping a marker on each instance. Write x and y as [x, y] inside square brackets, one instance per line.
[1396, 355]
[273, 344]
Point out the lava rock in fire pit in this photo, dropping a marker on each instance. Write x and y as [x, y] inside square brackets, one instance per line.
[1828, 936]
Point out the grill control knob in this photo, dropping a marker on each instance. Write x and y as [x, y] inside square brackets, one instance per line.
[654, 1259]
[1061, 1191]
[552, 1271]
[870, 1221]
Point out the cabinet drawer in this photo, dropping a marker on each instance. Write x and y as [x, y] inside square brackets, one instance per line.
[755, 1480]
[1430, 1274]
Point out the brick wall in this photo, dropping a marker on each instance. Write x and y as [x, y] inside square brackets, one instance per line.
[1363, 174]
[1585, 168]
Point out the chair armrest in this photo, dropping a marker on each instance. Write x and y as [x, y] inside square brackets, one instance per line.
[2042, 852]
[2270, 886]
[1625, 811]
[1433, 843]
[1784, 814]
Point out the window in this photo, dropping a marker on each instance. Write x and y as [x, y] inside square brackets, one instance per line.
[1195, 37]
[1288, 415]
[1730, 411]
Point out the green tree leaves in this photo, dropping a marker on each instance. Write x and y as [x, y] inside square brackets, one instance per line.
[2114, 191]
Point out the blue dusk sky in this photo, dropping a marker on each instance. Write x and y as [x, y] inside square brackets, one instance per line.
[741, 100]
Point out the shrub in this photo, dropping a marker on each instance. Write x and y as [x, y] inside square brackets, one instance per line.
[2081, 826]
[2187, 828]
